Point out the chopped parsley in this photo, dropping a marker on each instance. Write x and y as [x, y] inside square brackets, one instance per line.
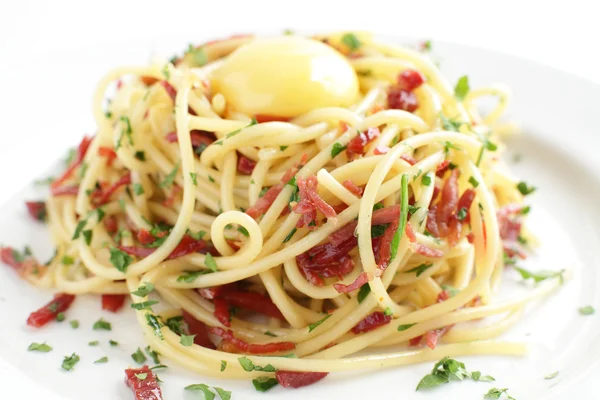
[448, 369]
[268, 333]
[194, 177]
[139, 356]
[289, 236]
[93, 343]
[140, 155]
[461, 214]
[313, 326]
[231, 134]
[127, 131]
[60, 317]
[41, 347]
[87, 236]
[404, 327]
[363, 292]
[540, 275]
[264, 383]
[474, 182]
[525, 189]
[79, 228]
[69, 362]
[153, 355]
[102, 325]
[462, 88]
[120, 259]
[208, 395]
[419, 269]
[144, 305]
[426, 180]
[113, 343]
[243, 231]
[388, 312]
[155, 324]
[74, 324]
[143, 290]
[425, 45]
[68, 260]
[187, 340]
[337, 149]
[210, 262]
[138, 189]
[198, 55]
[449, 124]
[101, 360]
[223, 365]
[494, 394]
[190, 276]
[551, 376]
[168, 181]
[351, 41]
[587, 310]
[282, 148]
[249, 366]
[403, 217]
[141, 376]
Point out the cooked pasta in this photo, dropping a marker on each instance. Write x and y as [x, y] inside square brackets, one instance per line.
[295, 201]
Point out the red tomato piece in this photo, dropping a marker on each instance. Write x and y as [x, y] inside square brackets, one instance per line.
[113, 302]
[295, 379]
[37, 210]
[47, 313]
[143, 389]
[198, 328]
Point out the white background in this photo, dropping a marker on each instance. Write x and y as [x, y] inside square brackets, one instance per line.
[45, 88]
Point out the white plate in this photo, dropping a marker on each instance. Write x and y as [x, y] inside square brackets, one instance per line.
[558, 114]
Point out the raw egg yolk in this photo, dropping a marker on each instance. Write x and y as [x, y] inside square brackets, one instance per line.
[286, 77]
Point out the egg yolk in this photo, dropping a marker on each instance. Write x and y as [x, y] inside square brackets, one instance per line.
[285, 77]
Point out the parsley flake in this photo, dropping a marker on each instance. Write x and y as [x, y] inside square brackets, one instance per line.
[143, 290]
[69, 362]
[187, 340]
[41, 347]
[313, 326]
[263, 383]
[120, 259]
[139, 356]
[363, 292]
[101, 360]
[102, 325]
[337, 149]
[351, 41]
[419, 269]
[587, 310]
[168, 181]
[462, 88]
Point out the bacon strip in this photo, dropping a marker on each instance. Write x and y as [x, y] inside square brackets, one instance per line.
[371, 321]
[81, 151]
[358, 282]
[246, 347]
[295, 379]
[107, 152]
[356, 146]
[113, 302]
[187, 245]
[253, 302]
[199, 329]
[143, 389]
[68, 190]
[37, 210]
[448, 202]
[169, 89]
[199, 138]
[264, 203]
[427, 251]
[100, 197]
[352, 188]
[222, 312]
[310, 201]
[245, 165]
[384, 215]
[47, 313]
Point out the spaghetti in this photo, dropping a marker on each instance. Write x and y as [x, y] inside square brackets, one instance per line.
[380, 223]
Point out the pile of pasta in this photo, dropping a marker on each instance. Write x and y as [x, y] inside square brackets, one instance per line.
[302, 245]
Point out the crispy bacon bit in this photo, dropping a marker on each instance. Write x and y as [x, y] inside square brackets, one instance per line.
[149, 80]
[260, 118]
[81, 151]
[310, 202]
[385, 250]
[102, 196]
[410, 79]
[371, 321]
[442, 168]
[409, 159]
[401, 99]
[290, 173]
[69, 190]
[169, 89]
[358, 282]
[37, 210]
[47, 313]
[200, 139]
[432, 337]
[294, 379]
[213, 292]
[143, 389]
[111, 224]
[381, 149]
[410, 233]
[245, 165]
[253, 302]
[314, 272]
[244, 346]
[7, 255]
[175, 190]
[113, 302]
[352, 188]
[427, 251]
[432, 225]
[222, 312]
[382, 216]
[107, 152]
[187, 245]
[145, 237]
[357, 145]
[198, 328]
[448, 203]
[264, 203]
[415, 341]
[509, 225]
